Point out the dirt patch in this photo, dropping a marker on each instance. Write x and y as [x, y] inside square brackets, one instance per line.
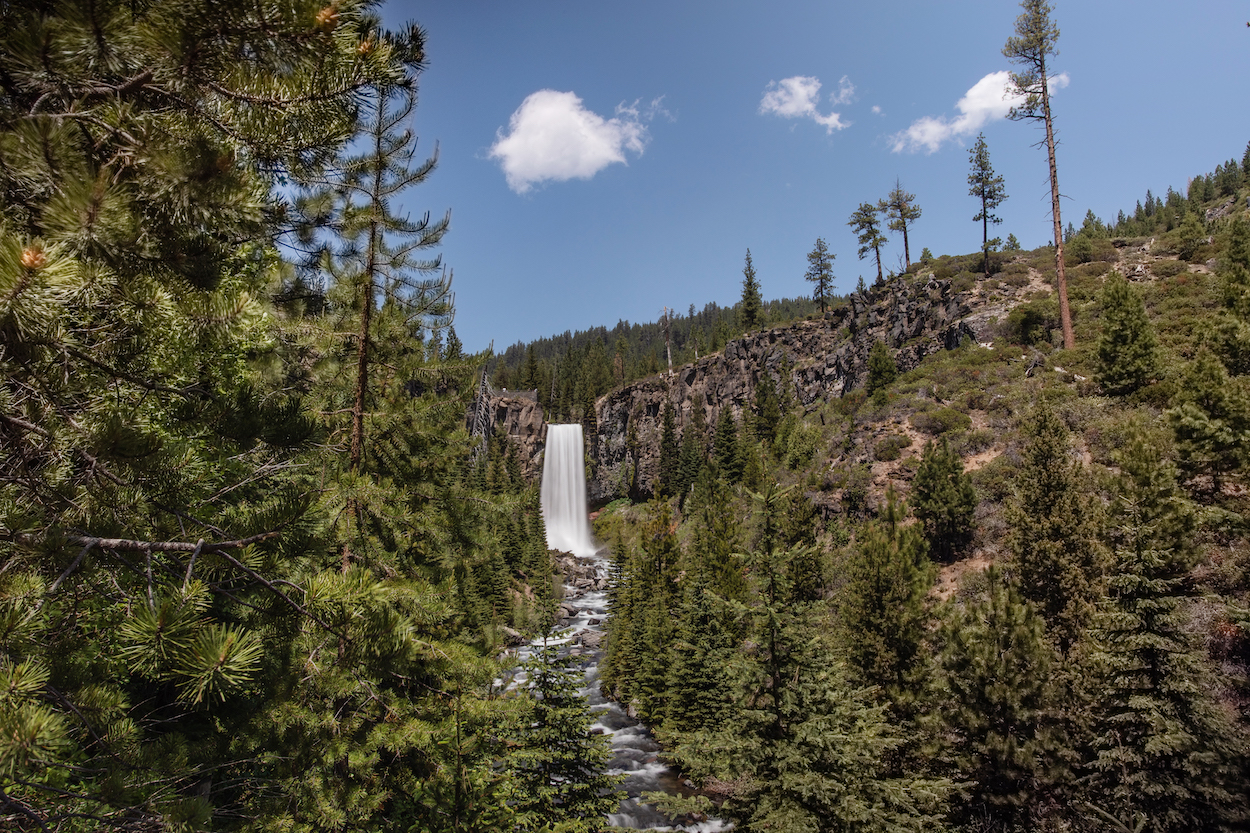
[950, 575]
[979, 459]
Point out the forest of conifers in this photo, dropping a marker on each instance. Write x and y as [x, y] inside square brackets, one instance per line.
[256, 575]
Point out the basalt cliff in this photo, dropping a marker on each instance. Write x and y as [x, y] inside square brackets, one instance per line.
[815, 360]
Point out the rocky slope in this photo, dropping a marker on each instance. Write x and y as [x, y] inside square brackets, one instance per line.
[816, 359]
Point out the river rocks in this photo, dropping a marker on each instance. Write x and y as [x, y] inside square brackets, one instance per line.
[590, 639]
[513, 637]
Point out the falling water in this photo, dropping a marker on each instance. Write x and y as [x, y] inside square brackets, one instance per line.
[564, 492]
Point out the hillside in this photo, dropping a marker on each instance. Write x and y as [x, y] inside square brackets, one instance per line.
[1074, 505]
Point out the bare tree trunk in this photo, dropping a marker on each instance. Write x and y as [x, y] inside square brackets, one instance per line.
[985, 236]
[906, 249]
[1065, 313]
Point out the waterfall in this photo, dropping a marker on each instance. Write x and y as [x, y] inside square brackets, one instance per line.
[564, 492]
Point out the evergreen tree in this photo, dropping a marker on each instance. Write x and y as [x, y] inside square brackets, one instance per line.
[1230, 334]
[820, 273]
[793, 700]
[372, 257]
[767, 407]
[1127, 349]
[1034, 42]
[1163, 746]
[698, 690]
[690, 461]
[670, 453]
[996, 705]
[729, 460]
[867, 227]
[881, 368]
[716, 538]
[749, 310]
[943, 500]
[558, 764]
[170, 553]
[1147, 495]
[883, 603]
[901, 209]
[1057, 560]
[987, 186]
[1210, 417]
[1012, 244]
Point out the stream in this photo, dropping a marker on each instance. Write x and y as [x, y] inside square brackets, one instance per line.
[635, 753]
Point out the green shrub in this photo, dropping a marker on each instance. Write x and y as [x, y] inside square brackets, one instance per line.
[891, 448]
[1168, 268]
[964, 281]
[974, 442]
[801, 444]
[1092, 270]
[1030, 323]
[941, 420]
[1016, 279]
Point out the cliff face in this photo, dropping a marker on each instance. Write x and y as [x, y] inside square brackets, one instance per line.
[521, 418]
[815, 360]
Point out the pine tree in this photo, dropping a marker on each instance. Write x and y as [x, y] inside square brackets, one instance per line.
[1147, 494]
[987, 186]
[767, 407]
[750, 308]
[996, 705]
[703, 646]
[729, 460]
[670, 453]
[820, 273]
[1034, 42]
[374, 256]
[559, 765]
[1057, 561]
[806, 749]
[881, 368]
[1163, 746]
[1230, 334]
[943, 500]
[690, 462]
[1210, 417]
[883, 605]
[901, 209]
[867, 227]
[153, 431]
[1127, 349]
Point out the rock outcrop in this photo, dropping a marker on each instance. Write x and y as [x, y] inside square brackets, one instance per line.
[815, 360]
[521, 418]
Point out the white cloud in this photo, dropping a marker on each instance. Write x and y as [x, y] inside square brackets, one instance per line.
[876, 110]
[796, 98]
[551, 136]
[987, 100]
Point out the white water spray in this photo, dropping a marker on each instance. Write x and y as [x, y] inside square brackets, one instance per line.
[564, 492]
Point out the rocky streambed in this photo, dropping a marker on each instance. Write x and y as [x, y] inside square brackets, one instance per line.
[583, 616]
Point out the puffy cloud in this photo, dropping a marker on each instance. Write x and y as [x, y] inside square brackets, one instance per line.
[796, 98]
[551, 136]
[987, 100]
[876, 110]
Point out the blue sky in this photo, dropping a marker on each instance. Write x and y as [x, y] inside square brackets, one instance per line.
[604, 160]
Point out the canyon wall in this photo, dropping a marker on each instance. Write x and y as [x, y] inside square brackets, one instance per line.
[815, 360]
